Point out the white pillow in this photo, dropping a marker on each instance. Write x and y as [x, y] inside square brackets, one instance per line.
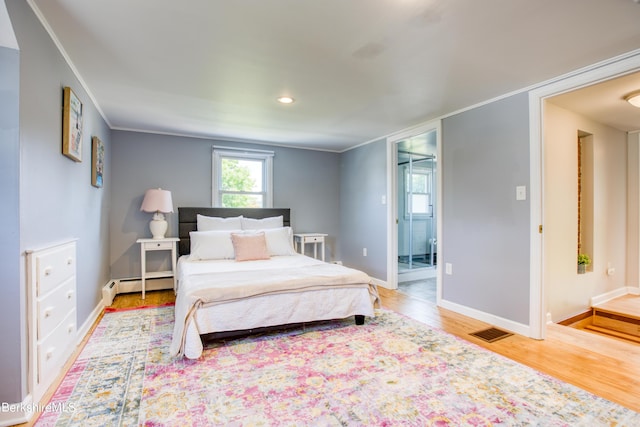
[215, 244]
[209, 223]
[262, 224]
[279, 241]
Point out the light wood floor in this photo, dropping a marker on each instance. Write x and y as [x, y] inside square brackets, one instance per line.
[628, 304]
[604, 366]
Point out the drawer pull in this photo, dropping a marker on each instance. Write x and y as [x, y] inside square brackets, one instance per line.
[48, 270]
[48, 311]
[69, 261]
[69, 294]
[50, 353]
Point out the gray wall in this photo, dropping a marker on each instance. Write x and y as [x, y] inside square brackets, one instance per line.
[305, 181]
[57, 201]
[363, 216]
[485, 230]
[12, 315]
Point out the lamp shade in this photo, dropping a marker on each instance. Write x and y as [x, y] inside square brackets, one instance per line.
[157, 200]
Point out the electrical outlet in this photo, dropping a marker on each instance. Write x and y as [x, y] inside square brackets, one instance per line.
[521, 192]
[364, 251]
[448, 268]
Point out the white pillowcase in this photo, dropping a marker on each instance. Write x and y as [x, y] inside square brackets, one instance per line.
[279, 241]
[215, 244]
[262, 224]
[209, 223]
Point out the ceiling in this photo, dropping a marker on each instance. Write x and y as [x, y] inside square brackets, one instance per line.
[604, 102]
[358, 69]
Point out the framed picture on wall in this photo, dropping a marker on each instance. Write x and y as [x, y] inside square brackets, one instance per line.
[97, 162]
[72, 126]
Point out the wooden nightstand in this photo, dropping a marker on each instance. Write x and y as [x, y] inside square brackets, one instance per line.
[166, 244]
[301, 239]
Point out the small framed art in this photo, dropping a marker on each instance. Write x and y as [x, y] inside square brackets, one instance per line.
[97, 162]
[72, 126]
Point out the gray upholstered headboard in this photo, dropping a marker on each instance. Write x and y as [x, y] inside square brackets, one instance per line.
[187, 219]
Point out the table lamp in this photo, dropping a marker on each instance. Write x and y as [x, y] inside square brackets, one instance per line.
[159, 202]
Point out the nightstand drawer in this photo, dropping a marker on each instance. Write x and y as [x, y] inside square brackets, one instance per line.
[158, 246]
[316, 239]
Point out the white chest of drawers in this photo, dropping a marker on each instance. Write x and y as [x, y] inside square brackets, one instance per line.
[52, 313]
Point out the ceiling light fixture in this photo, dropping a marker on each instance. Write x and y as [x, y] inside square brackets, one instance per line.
[633, 98]
[286, 100]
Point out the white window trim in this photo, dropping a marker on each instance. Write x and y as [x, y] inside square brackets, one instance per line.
[241, 153]
[408, 206]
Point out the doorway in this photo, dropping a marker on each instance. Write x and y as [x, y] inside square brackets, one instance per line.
[416, 214]
[545, 262]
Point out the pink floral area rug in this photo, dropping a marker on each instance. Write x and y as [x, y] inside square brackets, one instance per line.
[392, 371]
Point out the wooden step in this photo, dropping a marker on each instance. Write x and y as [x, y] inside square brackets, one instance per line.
[613, 333]
[621, 316]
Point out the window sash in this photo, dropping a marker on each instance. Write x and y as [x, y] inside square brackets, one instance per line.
[418, 203]
[240, 154]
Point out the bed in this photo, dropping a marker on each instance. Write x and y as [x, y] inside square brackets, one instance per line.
[238, 273]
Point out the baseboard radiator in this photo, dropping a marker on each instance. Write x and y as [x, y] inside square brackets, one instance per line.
[109, 292]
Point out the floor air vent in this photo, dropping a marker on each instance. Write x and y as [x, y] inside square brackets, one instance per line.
[491, 334]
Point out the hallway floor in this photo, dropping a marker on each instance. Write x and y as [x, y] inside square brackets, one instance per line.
[424, 289]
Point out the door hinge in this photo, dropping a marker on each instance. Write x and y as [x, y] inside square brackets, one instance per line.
[540, 229]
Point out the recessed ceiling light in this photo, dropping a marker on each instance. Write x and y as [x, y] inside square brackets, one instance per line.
[633, 99]
[286, 100]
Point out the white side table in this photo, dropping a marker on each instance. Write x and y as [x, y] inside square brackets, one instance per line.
[166, 244]
[301, 239]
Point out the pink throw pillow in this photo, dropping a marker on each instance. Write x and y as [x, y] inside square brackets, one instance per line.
[250, 247]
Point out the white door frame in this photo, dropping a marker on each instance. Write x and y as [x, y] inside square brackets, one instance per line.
[612, 68]
[392, 202]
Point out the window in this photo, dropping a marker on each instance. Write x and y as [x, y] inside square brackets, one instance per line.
[418, 194]
[242, 178]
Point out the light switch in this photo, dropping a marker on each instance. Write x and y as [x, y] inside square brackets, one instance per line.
[521, 192]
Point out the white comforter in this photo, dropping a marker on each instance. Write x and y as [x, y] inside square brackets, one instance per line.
[210, 283]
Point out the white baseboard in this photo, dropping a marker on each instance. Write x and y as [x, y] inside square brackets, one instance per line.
[86, 326]
[616, 293]
[379, 282]
[126, 286]
[491, 319]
